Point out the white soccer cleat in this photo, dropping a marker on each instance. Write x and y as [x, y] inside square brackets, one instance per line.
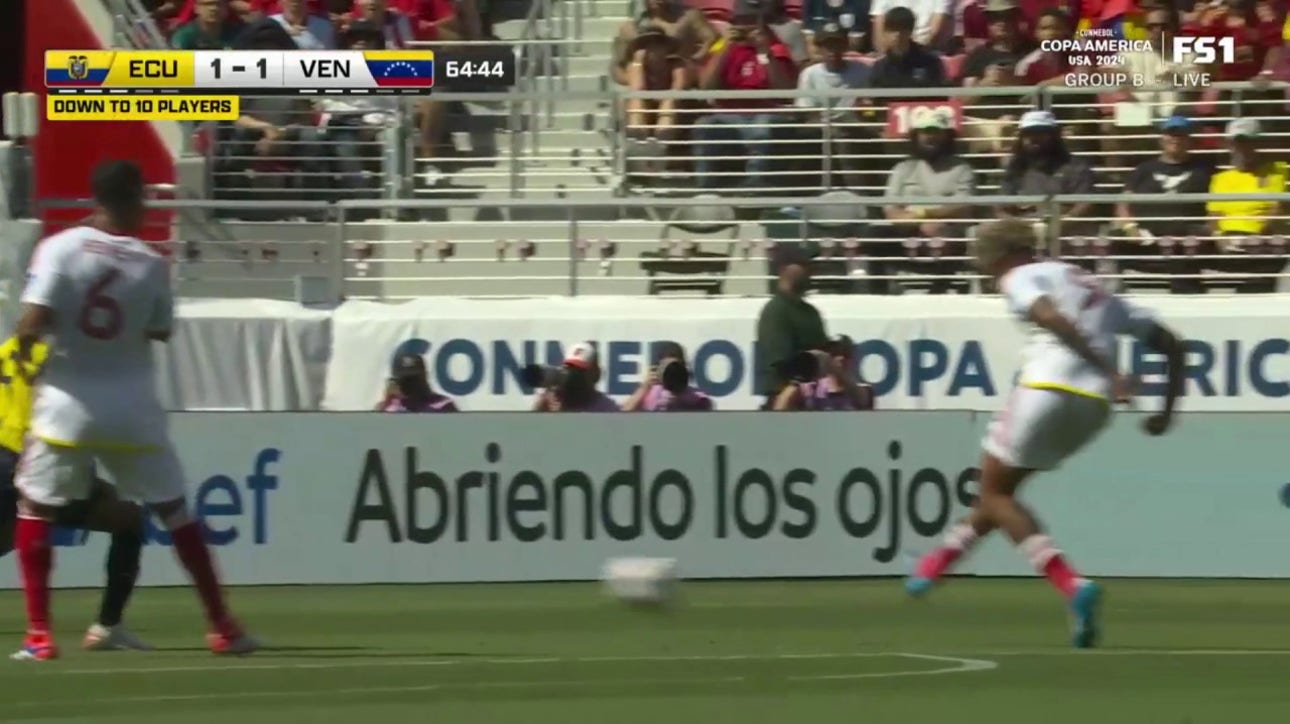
[112, 638]
[650, 581]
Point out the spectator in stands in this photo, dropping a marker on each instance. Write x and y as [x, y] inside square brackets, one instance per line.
[273, 130]
[787, 28]
[905, 62]
[787, 326]
[656, 65]
[991, 118]
[932, 26]
[355, 126]
[1254, 26]
[933, 169]
[408, 390]
[975, 25]
[1045, 67]
[836, 71]
[394, 25]
[577, 389]
[1144, 226]
[308, 30]
[693, 33]
[834, 387]
[1042, 165]
[751, 58]
[1161, 26]
[666, 387]
[211, 29]
[852, 16]
[1241, 225]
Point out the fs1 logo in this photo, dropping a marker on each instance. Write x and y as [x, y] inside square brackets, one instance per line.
[229, 509]
[1203, 51]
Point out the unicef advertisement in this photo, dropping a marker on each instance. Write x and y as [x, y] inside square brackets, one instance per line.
[368, 498]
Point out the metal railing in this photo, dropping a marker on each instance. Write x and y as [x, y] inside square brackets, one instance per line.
[813, 148]
[713, 246]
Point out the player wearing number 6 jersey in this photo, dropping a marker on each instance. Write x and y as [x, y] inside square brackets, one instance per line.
[1062, 400]
[102, 296]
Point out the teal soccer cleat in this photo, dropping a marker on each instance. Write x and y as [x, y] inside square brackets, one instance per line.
[1085, 608]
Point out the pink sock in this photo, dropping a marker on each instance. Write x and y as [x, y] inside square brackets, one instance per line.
[192, 552]
[1050, 561]
[959, 539]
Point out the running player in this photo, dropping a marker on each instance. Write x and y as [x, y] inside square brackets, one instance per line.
[103, 295]
[103, 511]
[1062, 400]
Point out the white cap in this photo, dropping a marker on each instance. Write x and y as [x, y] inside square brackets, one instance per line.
[1244, 128]
[932, 120]
[1037, 119]
[582, 354]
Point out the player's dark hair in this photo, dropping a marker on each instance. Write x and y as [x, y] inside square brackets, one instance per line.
[899, 19]
[118, 187]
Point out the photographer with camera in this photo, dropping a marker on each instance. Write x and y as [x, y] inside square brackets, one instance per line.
[822, 381]
[570, 387]
[408, 389]
[667, 388]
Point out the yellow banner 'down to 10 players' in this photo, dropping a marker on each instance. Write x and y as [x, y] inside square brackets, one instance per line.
[141, 108]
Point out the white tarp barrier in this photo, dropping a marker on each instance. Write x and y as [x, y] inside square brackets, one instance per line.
[231, 354]
[366, 497]
[919, 352]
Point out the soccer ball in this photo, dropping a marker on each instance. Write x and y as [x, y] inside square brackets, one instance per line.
[641, 581]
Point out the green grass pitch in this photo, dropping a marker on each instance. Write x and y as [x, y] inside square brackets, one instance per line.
[742, 652]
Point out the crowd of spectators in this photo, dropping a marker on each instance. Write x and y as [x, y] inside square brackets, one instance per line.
[755, 144]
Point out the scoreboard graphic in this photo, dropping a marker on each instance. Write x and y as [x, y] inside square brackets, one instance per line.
[209, 84]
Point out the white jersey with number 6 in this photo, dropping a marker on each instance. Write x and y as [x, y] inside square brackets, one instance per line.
[107, 292]
[1047, 363]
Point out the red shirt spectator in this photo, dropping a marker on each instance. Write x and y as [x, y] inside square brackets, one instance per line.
[976, 27]
[1255, 34]
[744, 71]
[426, 15]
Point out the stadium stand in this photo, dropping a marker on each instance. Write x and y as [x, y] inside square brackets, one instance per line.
[584, 179]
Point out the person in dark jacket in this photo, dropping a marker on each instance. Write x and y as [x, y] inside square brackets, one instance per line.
[788, 325]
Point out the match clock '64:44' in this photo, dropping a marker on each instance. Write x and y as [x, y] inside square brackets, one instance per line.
[476, 68]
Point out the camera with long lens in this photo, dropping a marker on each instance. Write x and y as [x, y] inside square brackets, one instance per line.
[544, 376]
[674, 376]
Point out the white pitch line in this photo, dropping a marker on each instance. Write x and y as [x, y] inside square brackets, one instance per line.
[358, 662]
[961, 666]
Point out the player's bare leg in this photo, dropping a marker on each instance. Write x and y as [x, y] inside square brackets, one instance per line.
[225, 635]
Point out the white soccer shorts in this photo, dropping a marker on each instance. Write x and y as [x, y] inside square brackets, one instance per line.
[56, 475]
[1038, 429]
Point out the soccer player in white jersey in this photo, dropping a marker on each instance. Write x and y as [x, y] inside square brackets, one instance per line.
[101, 297]
[1062, 400]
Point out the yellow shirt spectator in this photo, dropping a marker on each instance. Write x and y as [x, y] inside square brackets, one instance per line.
[1285, 34]
[1246, 217]
[15, 392]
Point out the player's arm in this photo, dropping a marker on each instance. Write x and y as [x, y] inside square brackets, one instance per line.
[46, 287]
[1160, 339]
[162, 319]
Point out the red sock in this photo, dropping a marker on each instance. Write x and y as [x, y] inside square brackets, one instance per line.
[1050, 561]
[192, 552]
[958, 540]
[35, 561]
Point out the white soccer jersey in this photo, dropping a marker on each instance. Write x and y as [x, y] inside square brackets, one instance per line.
[1102, 316]
[107, 292]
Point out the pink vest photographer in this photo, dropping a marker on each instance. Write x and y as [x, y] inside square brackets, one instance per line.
[667, 388]
[822, 380]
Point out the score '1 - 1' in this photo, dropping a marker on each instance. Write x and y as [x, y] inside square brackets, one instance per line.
[262, 64]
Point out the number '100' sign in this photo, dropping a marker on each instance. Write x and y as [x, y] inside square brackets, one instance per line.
[902, 117]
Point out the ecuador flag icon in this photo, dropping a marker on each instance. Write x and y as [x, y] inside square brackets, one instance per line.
[401, 68]
[77, 68]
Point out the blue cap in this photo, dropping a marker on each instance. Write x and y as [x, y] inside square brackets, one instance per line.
[1176, 123]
